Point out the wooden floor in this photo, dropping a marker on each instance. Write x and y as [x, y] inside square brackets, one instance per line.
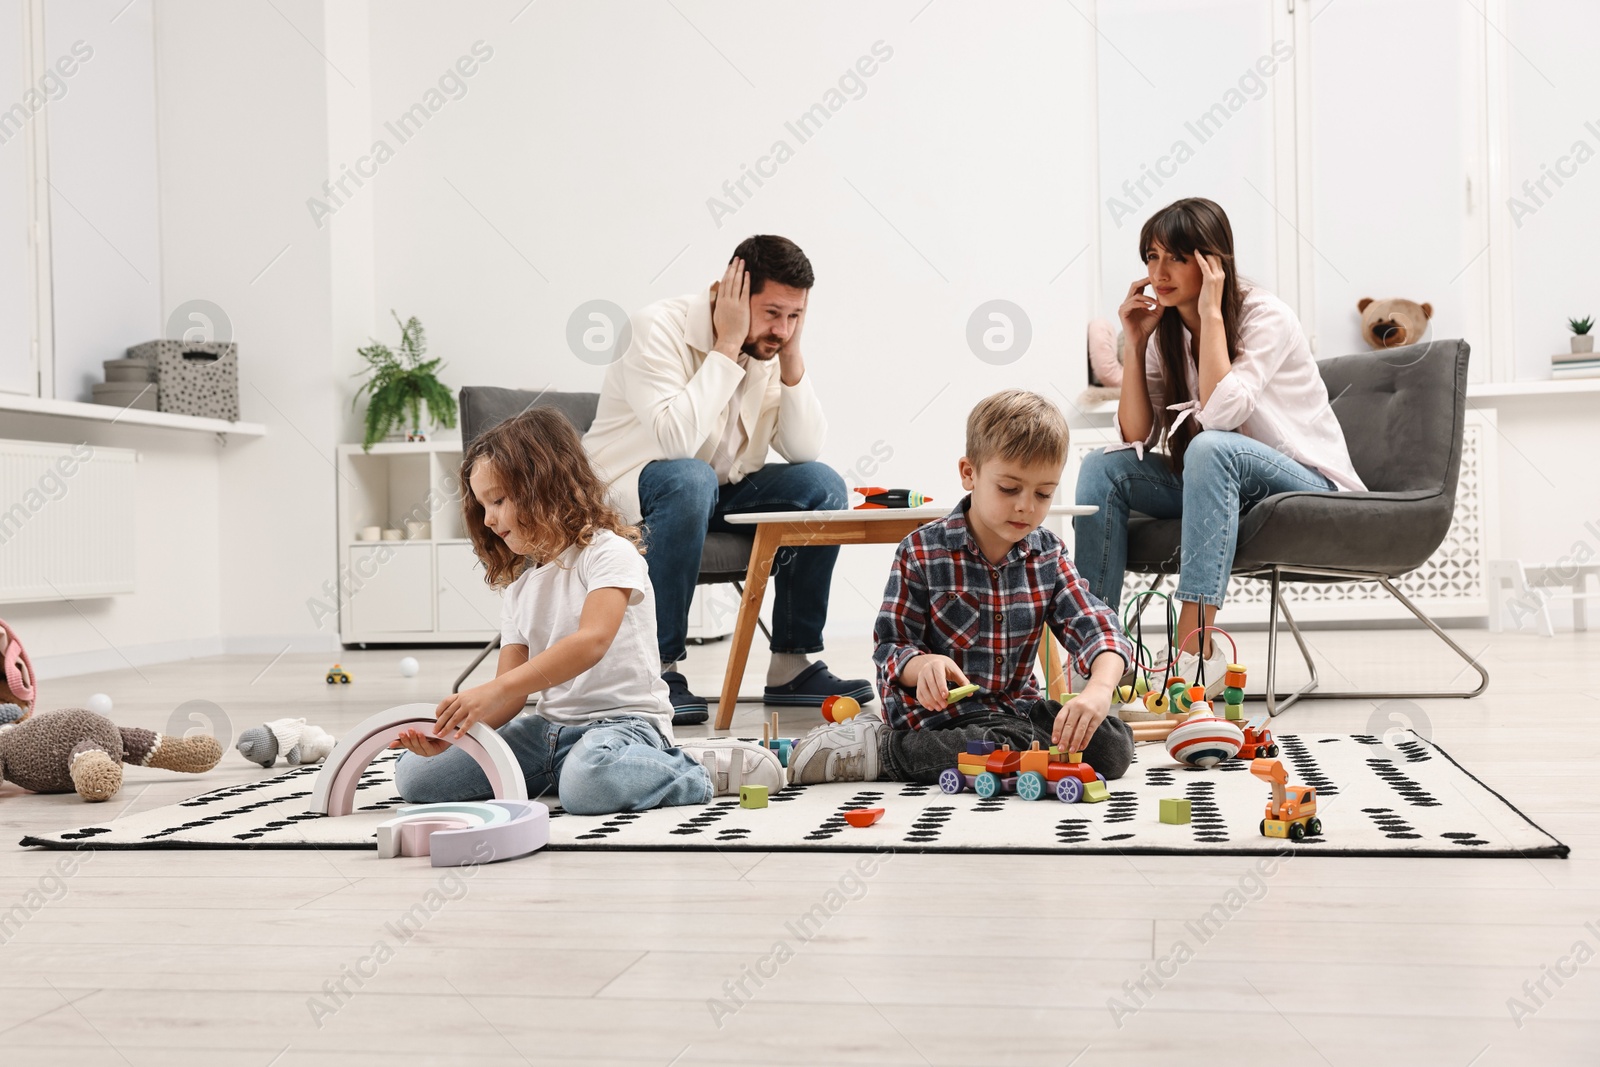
[223, 958]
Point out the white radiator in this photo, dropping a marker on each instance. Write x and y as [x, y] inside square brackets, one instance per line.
[66, 521]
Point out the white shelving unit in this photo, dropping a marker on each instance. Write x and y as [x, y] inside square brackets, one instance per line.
[424, 591]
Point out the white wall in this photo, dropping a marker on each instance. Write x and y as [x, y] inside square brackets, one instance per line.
[578, 165]
[1555, 131]
[243, 141]
[105, 244]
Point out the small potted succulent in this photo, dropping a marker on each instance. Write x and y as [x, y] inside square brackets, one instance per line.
[402, 385]
[1582, 339]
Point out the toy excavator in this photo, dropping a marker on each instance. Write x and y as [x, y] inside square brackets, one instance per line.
[1292, 811]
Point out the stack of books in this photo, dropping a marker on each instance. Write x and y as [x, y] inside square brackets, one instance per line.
[1575, 365]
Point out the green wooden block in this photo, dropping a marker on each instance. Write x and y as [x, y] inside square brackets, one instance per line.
[1234, 712]
[1233, 695]
[1174, 811]
[1094, 792]
[752, 796]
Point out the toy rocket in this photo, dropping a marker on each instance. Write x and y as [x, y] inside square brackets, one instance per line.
[879, 497]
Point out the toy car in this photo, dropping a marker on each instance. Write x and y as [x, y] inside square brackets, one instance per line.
[988, 770]
[1258, 742]
[338, 674]
[1292, 809]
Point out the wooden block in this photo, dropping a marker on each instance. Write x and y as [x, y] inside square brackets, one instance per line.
[961, 692]
[863, 816]
[1094, 792]
[1174, 810]
[1234, 678]
[1074, 757]
[752, 796]
[1233, 712]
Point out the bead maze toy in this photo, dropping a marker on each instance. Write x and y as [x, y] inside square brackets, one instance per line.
[1292, 809]
[460, 835]
[878, 497]
[863, 816]
[1181, 698]
[770, 739]
[988, 771]
[335, 787]
[840, 708]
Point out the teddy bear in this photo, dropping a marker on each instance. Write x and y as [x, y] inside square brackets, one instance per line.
[1392, 323]
[76, 750]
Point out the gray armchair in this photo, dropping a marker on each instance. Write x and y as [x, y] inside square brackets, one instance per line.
[725, 556]
[1403, 411]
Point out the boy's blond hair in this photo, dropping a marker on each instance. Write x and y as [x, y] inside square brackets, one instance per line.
[1016, 425]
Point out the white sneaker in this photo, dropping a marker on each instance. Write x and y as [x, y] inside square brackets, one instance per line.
[1216, 669]
[838, 752]
[732, 763]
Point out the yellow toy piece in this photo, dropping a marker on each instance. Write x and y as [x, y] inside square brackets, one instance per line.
[1157, 703]
[961, 692]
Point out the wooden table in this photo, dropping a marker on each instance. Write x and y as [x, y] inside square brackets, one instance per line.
[782, 529]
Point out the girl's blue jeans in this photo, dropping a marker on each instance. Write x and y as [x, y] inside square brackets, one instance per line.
[611, 765]
[1224, 475]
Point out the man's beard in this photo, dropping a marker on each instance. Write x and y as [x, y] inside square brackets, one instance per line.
[753, 350]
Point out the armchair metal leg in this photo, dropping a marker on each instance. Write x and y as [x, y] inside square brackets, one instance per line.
[1279, 702]
[1276, 603]
[490, 647]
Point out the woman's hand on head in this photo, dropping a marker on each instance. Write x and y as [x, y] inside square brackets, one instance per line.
[1212, 277]
[1139, 313]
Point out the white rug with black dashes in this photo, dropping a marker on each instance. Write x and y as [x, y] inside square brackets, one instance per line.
[1411, 799]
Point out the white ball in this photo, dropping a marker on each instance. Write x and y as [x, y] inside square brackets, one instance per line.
[100, 704]
[409, 667]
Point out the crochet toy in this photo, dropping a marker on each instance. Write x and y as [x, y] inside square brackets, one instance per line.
[297, 742]
[17, 691]
[76, 750]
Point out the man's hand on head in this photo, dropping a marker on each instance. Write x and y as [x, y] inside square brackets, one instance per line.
[730, 310]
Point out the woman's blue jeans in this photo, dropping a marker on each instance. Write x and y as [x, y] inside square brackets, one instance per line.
[682, 502]
[1224, 475]
[612, 765]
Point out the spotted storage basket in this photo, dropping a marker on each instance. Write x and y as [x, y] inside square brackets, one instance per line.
[195, 377]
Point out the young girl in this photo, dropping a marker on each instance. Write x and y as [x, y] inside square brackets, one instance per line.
[1230, 382]
[578, 627]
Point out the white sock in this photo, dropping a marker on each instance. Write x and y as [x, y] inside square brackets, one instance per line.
[665, 666]
[785, 666]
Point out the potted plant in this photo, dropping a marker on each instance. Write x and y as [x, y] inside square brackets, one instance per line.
[402, 385]
[1582, 339]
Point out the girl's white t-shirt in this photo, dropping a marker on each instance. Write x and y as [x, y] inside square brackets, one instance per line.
[544, 605]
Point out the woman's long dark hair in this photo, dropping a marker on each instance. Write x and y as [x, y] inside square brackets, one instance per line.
[1184, 228]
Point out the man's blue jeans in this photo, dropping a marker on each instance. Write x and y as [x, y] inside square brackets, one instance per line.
[599, 768]
[1224, 475]
[681, 503]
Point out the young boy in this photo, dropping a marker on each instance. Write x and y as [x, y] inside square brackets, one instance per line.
[966, 599]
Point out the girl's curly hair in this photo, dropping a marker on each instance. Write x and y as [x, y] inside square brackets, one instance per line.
[558, 496]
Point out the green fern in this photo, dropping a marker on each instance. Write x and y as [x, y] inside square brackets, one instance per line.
[402, 385]
[1581, 326]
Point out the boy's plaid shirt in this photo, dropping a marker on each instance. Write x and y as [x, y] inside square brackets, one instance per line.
[945, 598]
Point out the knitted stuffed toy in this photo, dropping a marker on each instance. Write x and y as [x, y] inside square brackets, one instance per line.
[291, 738]
[77, 750]
[17, 691]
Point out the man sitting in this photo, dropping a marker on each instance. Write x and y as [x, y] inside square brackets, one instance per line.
[709, 382]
